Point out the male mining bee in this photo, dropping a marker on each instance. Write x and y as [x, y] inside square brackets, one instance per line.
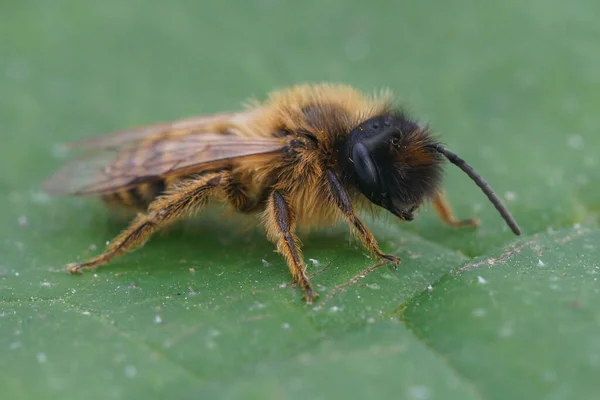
[310, 155]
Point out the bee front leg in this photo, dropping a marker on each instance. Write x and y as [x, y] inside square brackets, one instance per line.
[190, 196]
[280, 222]
[340, 197]
[444, 210]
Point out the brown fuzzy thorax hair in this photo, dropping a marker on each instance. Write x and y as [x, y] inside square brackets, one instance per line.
[320, 124]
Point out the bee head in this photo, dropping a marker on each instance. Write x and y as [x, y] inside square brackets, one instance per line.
[393, 162]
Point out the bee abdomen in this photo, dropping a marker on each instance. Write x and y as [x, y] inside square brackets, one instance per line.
[138, 197]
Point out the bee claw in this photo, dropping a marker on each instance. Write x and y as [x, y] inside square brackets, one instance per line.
[309, 296]
[393, 259]
[75, 268]
[473, 222]
[466, 223]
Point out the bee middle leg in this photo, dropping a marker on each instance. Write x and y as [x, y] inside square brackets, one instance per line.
[190, 196]
[342, 200]
[444, 210]
[280, 222]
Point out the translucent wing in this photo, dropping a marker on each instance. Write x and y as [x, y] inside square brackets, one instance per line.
[182, 126]
[130, 158]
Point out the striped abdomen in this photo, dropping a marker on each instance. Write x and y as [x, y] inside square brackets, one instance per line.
[139, 196]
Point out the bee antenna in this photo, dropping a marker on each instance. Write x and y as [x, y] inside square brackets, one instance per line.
[483, 185]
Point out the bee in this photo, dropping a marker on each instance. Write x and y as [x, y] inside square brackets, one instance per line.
[309, 156]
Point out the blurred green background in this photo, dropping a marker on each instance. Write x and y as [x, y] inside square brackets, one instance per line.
[207, 310]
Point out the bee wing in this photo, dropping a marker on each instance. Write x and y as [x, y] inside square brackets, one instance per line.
[182, 126]
[148, 154]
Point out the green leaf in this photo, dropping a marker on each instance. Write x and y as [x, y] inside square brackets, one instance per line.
[527, 311]
[207, 309]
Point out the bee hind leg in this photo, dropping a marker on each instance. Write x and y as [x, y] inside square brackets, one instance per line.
[280, 222]
[182, 200]
[444, 210]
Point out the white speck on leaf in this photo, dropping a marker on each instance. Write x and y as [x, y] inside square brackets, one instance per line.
[213, 333]
[257, 306]
[92, 247]
[16, 274]
[481, 280]
[41, 357]
[282, 285]
[371, 320]
[86, 313]
[420, 393]
[158, 320]
[130, 371]
[314, 261]
[210, 344]
[575, 141]
[429, 287]
[266, 263]
[510, 196]
[59, 151]
[505, 331]
[479, 312]
[540, 263]
[39, 197]
[22, 221]
[334, 309]
[46, 284]
[95, 275]
[373, 286]
[286, 325]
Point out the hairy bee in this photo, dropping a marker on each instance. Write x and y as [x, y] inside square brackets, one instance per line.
[310, 155]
